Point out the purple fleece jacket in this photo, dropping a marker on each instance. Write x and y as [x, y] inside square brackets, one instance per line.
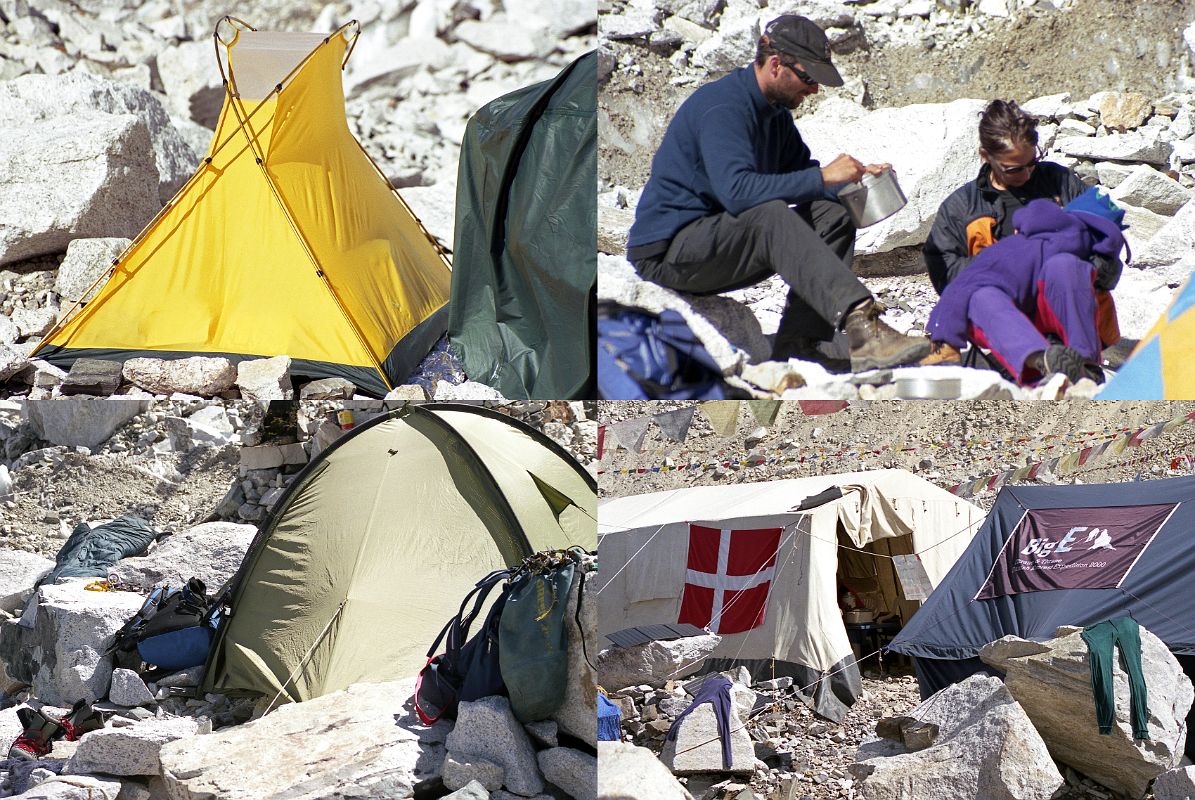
[1014, 263]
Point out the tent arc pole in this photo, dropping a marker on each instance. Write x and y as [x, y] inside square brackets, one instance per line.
[503, 504]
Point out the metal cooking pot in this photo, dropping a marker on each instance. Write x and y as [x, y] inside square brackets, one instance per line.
[874, 198]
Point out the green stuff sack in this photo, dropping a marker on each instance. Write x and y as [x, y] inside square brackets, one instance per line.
[533, 640]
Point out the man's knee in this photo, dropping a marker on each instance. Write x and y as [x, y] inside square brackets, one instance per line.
[767, 214]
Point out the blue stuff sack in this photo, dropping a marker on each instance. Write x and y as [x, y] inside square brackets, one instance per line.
[179, 649]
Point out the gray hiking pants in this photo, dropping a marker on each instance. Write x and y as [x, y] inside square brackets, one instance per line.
[810, 247]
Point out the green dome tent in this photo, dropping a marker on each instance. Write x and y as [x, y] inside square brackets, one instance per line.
[375, 543]
[524, 278]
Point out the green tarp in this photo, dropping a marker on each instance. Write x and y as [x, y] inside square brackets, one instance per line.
[524, 276]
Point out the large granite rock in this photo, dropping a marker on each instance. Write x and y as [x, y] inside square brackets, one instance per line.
[1135, 146]
[932, 148]
[127, 689]
[209, 426]
[655, 663]
[487, 729]
[85, 263]
[697, 747]
[211, 552]
[33, 98]
[1052, 681]
[1148, 188]
[1177, 784]
[81, 421]
[201, 375]
[986, 747]
[90, 175]
[265, 379]
[191, 81]
[18, 572]
[627, 772]
[1172, 244]
[571, 770]
[370, 744]
[76, 787]
[132, 749]
[62, 655]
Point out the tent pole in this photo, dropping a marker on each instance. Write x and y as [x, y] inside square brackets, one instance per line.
[234, 101]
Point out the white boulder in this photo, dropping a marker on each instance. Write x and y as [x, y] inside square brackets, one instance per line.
[487, 729]
[370, 744]
[81, 421]
[19, 570]
[192, 82]
[265, 379]
[654, 663]
[89, 175]
[86, 262]
[202, 375]
[986, 747]
[627, 772]
[933, 149]
[1148, 188]
[62, 656]
[211, 552]
[131, 749]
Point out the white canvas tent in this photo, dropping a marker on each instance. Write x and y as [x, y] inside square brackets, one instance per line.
[747, 562]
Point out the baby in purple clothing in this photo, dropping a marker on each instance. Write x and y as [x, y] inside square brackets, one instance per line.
[1036, 284]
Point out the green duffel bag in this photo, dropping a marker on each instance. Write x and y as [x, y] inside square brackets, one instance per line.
[533, 634]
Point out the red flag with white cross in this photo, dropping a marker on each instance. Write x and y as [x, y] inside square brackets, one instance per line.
[729, 576]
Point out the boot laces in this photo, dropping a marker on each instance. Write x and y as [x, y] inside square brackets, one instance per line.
[31, 744]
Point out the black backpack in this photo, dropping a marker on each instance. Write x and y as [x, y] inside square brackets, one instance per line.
[468, 668]
[173, 629]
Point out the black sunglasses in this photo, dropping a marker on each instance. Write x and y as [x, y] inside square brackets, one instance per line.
[1038, 155]
[804, 76]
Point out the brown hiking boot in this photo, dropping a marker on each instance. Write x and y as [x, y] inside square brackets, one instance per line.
[941, 353]
[874, 344]
[803, 348]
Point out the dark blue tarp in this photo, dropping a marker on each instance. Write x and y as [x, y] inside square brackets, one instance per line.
[1156, 592]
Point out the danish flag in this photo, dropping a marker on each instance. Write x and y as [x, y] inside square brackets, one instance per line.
[729, 577]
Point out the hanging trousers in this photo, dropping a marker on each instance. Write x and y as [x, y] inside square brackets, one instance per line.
[1121, 632]
[715, 691]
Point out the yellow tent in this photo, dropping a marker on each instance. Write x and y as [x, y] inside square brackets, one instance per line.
[288, 240]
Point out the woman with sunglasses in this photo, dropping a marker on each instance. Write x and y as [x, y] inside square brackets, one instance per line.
[1011, 173]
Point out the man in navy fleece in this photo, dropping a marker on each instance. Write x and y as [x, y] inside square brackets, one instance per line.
[715, 214]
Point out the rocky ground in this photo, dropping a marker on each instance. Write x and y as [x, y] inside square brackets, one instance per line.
[179, 463]
[1117, 109]
[944, 442]
[110, 107]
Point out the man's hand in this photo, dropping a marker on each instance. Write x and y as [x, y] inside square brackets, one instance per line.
[844, 169]
[876, 169]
